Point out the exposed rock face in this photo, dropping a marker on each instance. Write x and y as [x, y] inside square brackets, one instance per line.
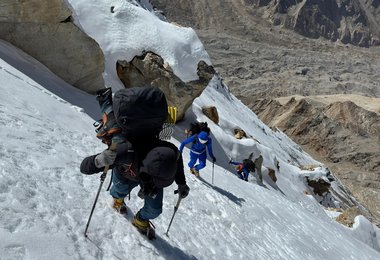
[150, 69]
[347, 135]
[350, 21]
[212, 113]
[328, 128]
[44, 30]
[272, 174]
[347, 218]
[320, 187]
[239, 133]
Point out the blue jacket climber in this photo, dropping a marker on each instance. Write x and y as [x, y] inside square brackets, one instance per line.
[198, 151]
[240, 169]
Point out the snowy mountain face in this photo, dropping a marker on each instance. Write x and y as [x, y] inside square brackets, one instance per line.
[46, 201]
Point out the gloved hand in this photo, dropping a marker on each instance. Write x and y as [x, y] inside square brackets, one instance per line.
[107, 157]
[213, 159]
[147, 190]
[143, 193]
[183, 190]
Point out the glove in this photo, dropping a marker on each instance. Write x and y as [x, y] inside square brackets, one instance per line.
[213, 159]
[107, 157]
[143, 193]
[147, 190]
[183, 190]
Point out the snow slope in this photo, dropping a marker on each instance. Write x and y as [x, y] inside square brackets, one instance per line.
[45, 201]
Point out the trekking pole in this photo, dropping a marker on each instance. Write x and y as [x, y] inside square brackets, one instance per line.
[102, 178]
[109, 185]
[212, 180]
[175, 210]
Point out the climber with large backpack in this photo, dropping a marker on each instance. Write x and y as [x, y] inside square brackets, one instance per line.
[137, 156]
[243, 168]
[200, 141]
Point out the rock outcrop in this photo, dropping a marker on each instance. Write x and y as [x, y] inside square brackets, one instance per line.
[151, 69]
[239, 133]
[272, 174]
[347, 218]
[212, 113]
[44, 30]
[320, 187]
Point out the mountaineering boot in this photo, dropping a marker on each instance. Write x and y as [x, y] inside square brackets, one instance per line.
[144, 226]
[119, 205]
[194, 171]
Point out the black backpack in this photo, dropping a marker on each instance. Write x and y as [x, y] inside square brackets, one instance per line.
[249, 165]
[127, 167]
[197, 127]
[158, 163]
[137, 114]
[140, 111]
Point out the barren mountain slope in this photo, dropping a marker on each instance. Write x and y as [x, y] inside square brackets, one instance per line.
[349, 21]
[343, 133]
[257, 58]
[260, 61]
